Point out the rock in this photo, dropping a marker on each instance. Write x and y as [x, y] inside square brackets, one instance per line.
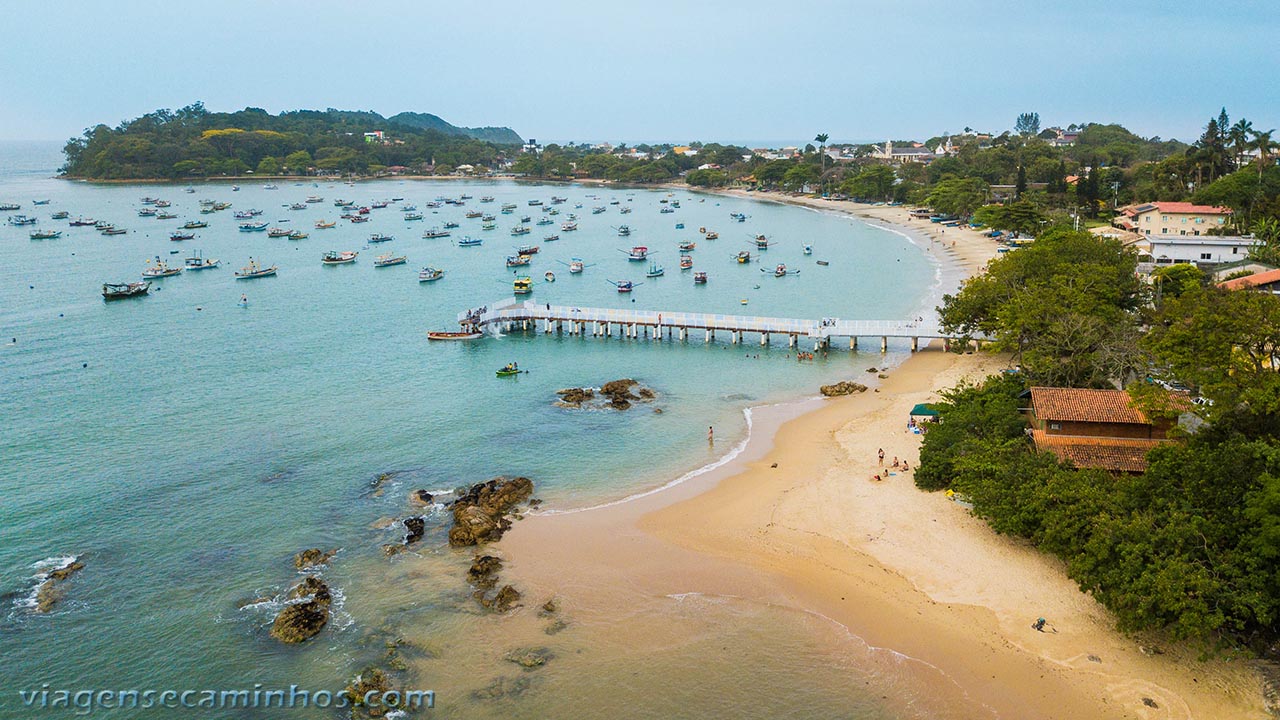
[414, 527]
[502, 688]
[377, 485]
[535, 502]
[556, 626]
[548, 608]
[646, 394]
[574, 397]
[505, 600]
[844, 387]
[882, 376]
[392, 549]
[871, 370]
[51, 589]
[1150, 703]
[421, 498]
[480, 513]
[620, 388]
[312, 557]
[619, 403]
[369, 680]
[1094, 658]
[383, 523]
[301, 621]
[529, 658]
[484, 571]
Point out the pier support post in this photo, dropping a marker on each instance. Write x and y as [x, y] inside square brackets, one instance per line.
[884, 344]
[853, 343]
[559, 326]
[734, 336]
[915, 344]
[764, 339]
[684, 334]
[710, 334]
[791, 341]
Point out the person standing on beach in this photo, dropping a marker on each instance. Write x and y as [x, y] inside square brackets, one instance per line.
[711, 434]
[882, 456]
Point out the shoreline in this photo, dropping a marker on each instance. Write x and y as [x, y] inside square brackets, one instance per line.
[794, 519]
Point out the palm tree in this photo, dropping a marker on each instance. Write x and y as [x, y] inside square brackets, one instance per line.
[1239, 137]
[1263, 144]
[821, 139]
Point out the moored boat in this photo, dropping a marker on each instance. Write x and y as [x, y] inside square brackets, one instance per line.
[655, 270]
[518, 260]
[468, 335]
[325, 225]
[467, 241]
[435, 233]
[178, 236]
[388, 259]
[339, 257]
[117, 291]
[194, 225]
[522, 285]
[253, 227]
[380, 238]
[254, 270]
[197, 262]
[45, 234]
[160, 269]
[277, 232]
[430, 274]
[700, 278]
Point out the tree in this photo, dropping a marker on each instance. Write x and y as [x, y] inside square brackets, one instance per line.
[958, 196]
[821, 139]
[1021, 186]
[1176, 280]
[1021, 217]
[874, 181]
[298, 162]
[269, 166]
[1028, 124]
[1263, 144]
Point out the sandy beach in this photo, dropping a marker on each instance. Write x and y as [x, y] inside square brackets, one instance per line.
[798, 521]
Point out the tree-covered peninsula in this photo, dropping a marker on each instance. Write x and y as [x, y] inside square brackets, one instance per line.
[193, 142]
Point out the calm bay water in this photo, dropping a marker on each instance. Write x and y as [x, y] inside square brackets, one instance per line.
[186, 447]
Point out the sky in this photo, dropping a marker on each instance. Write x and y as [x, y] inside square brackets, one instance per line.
[712, 70]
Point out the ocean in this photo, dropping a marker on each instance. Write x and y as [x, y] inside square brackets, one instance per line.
[185, 447]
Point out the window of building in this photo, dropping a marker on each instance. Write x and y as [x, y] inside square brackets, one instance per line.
[1055, 426]
[1235, 251]
[1206, 256]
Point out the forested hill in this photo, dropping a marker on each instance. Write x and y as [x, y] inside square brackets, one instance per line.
[192, 142]
[427, 121]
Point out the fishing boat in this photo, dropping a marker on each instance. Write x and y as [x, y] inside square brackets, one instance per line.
[808, 249]
[488, 218]
[576, 265]
[688, 246]
[549, 276]
[435, 233]
[163, 203]
[679, 226]
[451, 225]
[568, 226]
[198, 262]
[380, 238]
[743, 257]
[762, 242]
[408, 208]
[276, 232]
[429, 274]
[102, 225]
[298, 206]
[60, 215]
[486, 199]
[474, 214]
[624, 286]
[359, 219]
[178, 236]
[113, 230]
[655, 270]
[298, 235]
[160, 269]
[823, 263]
[325, 225]
[521, 230]
[518, 260]
[508, 206]
[83, 222]
[700, 278]
[551, 238]
[781, 271]
[544, 221]
[387, 260]
[118, 291]
[639, 253]
[686, 262]
[314, 199]
[45, 234]
[527, 250]
[623, 230]
[21, 220]
[522, 286]
[467, 335]
[467, 241]
[148, 200]
[194, 225]
[489, 226]
[667, 210]
[411, 216]
[598, 209]
[166, 216]
[535, 203]
[712, 235]
[268, 186]
[335, 257]
[147, 212]
[253, 227]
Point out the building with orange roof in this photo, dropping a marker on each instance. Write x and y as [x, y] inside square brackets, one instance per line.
[1094, 428]
[1171, 218]
[1266, 281]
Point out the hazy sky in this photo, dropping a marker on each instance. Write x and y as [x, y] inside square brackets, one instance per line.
[643, 71]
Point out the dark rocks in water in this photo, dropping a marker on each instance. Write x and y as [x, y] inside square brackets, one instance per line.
[301, 621]
[882, 376]
[620, 388]
[480, 513]
[383, 522]
[414, 527]
[502, 688]
[378, 485]
[871, 370]
[574, 397]
[1150, 703]
[370, 680]
[51, 589]
[646, 393]
[483, 572]
[312, 557]
[548, 608]
[844, 387]
[505, 600]
[392, 549]
[555, 626]
[529, 658]
[421, 498]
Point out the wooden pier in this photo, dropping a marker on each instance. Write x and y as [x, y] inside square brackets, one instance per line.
[513, 315]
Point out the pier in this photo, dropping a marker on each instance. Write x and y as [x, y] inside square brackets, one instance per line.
[513, 315]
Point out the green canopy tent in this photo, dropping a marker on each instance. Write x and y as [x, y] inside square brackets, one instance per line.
[924, 410]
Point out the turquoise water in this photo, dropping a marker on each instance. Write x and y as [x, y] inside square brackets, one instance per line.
[185, 446]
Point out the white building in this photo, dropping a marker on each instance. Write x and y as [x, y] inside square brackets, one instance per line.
[1199, 249]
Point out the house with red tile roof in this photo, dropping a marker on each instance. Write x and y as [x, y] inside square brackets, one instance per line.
[1094, 428]
[1171, 218]
[1267, 281]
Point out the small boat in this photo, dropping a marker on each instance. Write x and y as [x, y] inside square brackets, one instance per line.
[380, 238]
[655, 270]
[45, 234]
[103, 225]
[468, 241]
[276, 232]
[60, 215]
[429, 274]
[823, 262]
[178, 236]
[160, 269]
[435, 233]
[598, 210]
[700, 278]
[522, 286]
[488, 218]
[712, 235]
[325, 225]
[508, 370]
[639, 253]
[410, 216]
[21, 220]
[624, 286]
[148, 200]
[486, 199]
[387, 260]
[9, 206]
[518, 260]
[808, 249]
[83, 222]
[686, 262]
[359, 219]
[314, 199]
[568, 226]
[762, 242]
[147, 212]
[469, 335]
[474, 214]
[451, 225]
[687, 246]
[549, 276]
[117, 291]
[679, 226]
[623, 230]
[508, 206]
[196, 262]
[521, 230]
[576, 266]
[253, 227]
[551, 238]
[667, 210]
[166, 216]
[544, 221]
[535, 203]
[527, 250]
[113, 231]
[298, 235]
[743, 257]
[268, 186]
[298, 206]
[335, 257]
[163, 203]
[781, 271]
[194, 225]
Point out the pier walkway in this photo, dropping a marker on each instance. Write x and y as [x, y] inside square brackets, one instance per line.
[511, 314]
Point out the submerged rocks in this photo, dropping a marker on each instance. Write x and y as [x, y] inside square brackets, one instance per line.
[421, 498]
[51, 590]
[529, 658]
[844, 387]
[483, 572]
[415, 528]
[370, 680]
[480, 513]
[616, 394]
[300, 621]
[574, 397]
[505, 600]
[312, 557]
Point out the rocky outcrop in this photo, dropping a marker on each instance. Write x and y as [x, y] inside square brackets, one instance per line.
[378, 486]
[312, 557]
[529, 658]
[483, 572]
[574, 397]
[502, 688]
[415, 528]
[369, 680]
[300, 621]
[616, 394]
[844, 387]
[51, 589]
[619, 393]
[421, 498]
[505, 600]
[480, 514]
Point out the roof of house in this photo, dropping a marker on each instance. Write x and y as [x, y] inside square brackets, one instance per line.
[1114, 454]
[1184, 208]
[1084, 405]
[1259, 278]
